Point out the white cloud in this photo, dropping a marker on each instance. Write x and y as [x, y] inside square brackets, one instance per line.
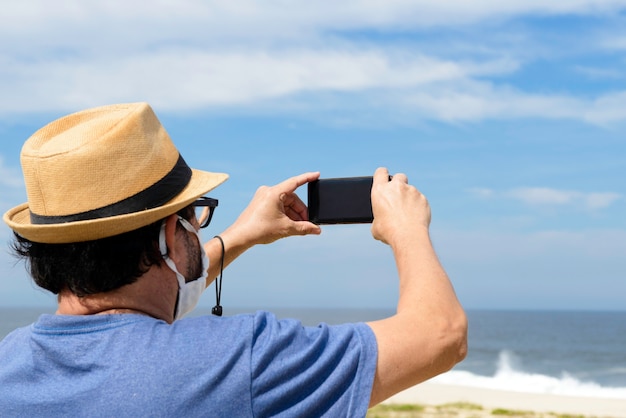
[546, 196]
[601, 200]
[481, 192]
[276, 16]
[543, 195]
[419, 85]
[193, 78]
[599, 73]
[614, 42]
[608, 108]
[195, 54]
[426, 87]
[472, 100]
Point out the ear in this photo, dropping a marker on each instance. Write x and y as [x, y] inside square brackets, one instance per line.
[170, 236]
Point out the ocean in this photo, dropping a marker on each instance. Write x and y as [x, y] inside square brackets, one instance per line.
[552, 352]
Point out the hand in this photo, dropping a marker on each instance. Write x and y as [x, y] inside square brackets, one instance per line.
[398, 207]
[277, 212]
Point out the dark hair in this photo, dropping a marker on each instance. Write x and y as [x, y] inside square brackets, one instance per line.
[96, 266]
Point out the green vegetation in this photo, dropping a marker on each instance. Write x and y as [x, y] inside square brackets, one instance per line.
[509, 413]
[403, 407]
[455, 410]
[396, 410]
[461, 405]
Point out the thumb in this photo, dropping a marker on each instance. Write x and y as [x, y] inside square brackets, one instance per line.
[306, 228]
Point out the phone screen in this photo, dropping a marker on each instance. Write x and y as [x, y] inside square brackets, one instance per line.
[340, 200]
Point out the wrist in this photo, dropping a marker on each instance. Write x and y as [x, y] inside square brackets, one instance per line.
[409, 237]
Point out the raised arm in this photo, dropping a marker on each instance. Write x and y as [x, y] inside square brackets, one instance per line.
[428, 334]
[274, 212]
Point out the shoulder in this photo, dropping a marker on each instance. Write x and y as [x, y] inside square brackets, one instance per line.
[267, 326]
[332, 367]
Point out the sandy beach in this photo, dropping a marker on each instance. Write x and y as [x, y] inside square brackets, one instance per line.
[439, 394]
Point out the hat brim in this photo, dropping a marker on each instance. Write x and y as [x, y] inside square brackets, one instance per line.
[18, 218]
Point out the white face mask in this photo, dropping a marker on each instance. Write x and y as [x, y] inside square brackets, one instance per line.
[188, 292]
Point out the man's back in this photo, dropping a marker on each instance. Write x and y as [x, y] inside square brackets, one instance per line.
[123, 365]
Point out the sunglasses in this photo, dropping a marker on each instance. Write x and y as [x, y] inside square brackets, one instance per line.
[204, 208]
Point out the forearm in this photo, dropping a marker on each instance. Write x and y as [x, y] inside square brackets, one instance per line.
[427, 336]
[424, 287]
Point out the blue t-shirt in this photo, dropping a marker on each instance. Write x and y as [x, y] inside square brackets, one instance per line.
[135, 365]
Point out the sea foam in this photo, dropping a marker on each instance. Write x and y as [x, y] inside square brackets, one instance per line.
[510, 377]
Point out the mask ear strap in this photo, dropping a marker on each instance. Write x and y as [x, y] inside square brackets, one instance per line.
[162, 243]
[217, 309]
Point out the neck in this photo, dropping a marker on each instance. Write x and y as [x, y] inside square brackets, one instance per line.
[153, 294]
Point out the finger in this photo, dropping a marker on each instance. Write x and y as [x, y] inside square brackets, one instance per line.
[381, 175]
[297, 206]
[401, 177]
[307, 228]
[293, 214]
[291, 184]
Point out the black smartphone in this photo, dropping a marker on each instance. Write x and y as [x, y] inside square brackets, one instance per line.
[340, 200]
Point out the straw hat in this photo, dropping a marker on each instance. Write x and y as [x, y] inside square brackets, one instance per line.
[102, 172]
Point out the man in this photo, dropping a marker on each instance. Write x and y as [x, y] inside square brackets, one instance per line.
[110, 227]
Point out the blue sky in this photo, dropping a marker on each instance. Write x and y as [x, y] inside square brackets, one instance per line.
[509, 116]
